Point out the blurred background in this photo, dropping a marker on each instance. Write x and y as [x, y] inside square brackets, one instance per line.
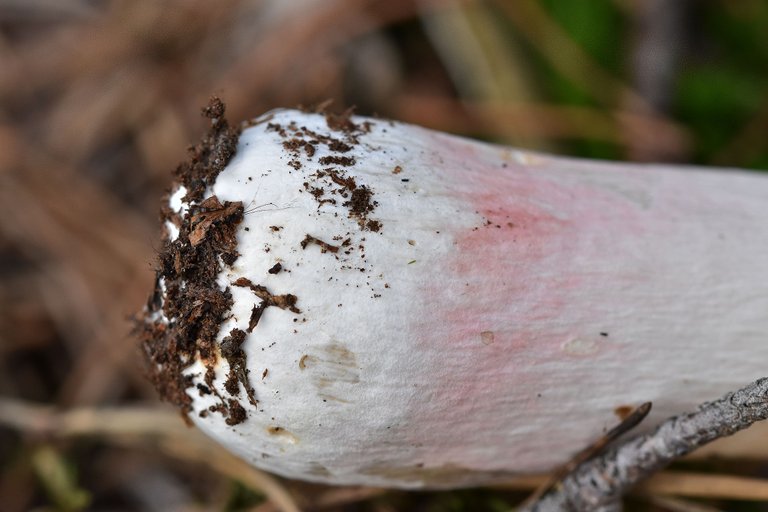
[99, 100]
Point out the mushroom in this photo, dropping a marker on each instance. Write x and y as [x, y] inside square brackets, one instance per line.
[359, 301]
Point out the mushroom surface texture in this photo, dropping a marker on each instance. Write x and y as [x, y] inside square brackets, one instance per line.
[359, 301]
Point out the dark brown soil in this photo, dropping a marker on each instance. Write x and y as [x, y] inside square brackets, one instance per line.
[324, 246]
[346, 161]
[238, 372]
[256, 313]
[287, 301]
[333, 179]
[361, 203]
[181, 322]
[343, 122]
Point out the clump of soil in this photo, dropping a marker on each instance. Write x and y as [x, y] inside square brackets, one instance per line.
[287, 301]
[324, 246]
[301, 143]
[184, 314]
[343, 122]
[346, 161]
[238, 371]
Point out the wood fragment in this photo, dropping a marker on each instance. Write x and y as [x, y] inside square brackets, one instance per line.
[629, 422]
[324, 246]
[605, 479]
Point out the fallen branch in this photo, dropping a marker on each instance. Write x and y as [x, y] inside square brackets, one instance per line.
[601, 482]
[627, 424]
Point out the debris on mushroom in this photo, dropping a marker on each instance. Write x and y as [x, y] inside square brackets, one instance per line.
[435, 311]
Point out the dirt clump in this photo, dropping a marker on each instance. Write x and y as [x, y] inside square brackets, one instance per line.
[183, 316]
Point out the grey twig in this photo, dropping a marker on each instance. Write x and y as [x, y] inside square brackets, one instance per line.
[594, 449]
[602, 481]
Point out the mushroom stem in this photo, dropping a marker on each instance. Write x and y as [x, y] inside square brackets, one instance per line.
[445, 312]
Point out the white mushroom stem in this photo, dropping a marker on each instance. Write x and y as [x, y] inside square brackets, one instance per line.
[505, 309]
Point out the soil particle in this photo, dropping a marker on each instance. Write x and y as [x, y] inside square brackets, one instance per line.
[361, 203]
[276, 268]
[338, 146]
[341, 122]
[211, 155]
[324, 246]
[181, 321]
[209, 213]
[346, 183]
[346, 161]
[237, 414]
[256, 313]
[287, 301]
[238, 372]
[277, 128]
[334, 145]
[295, 145]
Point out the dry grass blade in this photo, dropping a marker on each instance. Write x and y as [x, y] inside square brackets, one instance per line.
[534, 23]
[532, 121]
[99, 266]
[481, 61]
[137, 425]
[747, 143]
[297, 41]
[697, 485]
[45, 10]
[337, 497]
[677, 505]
